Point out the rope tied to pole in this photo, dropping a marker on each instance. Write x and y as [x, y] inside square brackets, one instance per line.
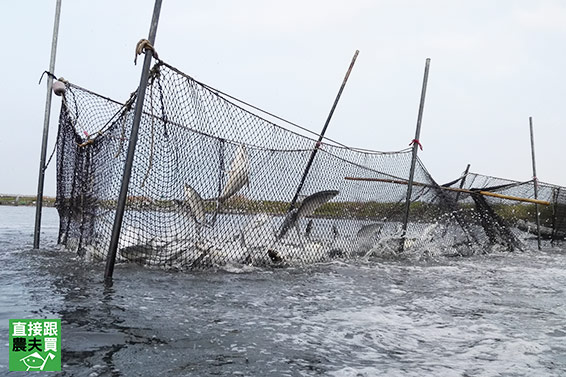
[88, 142]
[61, 79]
[143, 46]
[48, 74]
[416, 141]
[90, 138]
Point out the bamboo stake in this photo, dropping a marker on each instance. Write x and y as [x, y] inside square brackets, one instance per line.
[485, 193]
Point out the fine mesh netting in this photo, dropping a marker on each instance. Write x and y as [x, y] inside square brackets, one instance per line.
[212, 183]
[520, 216]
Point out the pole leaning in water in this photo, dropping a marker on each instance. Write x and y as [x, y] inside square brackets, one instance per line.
[41, 178]
[463, 181]
[416, 144]
[111, 257]
[535, 180]
[321, 136]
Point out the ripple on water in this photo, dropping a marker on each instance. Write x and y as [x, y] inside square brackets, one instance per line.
[491, 315]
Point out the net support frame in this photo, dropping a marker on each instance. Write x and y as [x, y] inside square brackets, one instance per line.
[45, 138]
[416, 145]
[110, 261]
[535, 181]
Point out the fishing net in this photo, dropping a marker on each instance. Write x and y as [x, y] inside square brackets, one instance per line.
[517, 216]
[213, 179]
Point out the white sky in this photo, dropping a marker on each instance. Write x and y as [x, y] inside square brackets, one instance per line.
[494, 64]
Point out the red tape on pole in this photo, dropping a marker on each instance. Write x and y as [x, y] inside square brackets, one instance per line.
[416, 141]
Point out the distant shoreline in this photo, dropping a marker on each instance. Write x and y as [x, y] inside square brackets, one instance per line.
[25, 200]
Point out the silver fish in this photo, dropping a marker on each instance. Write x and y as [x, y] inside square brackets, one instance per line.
[545, 232]
[368, 237]
[307, 208]
[157, 251]
[370, 230]
[138, 253]
[312, 202]
[196, 204]
[289, 222]
[238, 175]
[308, 229]
[310, 252]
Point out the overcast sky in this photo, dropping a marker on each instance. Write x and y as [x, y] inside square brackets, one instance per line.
[493, 64]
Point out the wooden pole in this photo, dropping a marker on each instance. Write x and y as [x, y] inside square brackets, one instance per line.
[535, 181]
[485, 193]
[42, 167]
[111, 257]
[321, 136]
[416, 144]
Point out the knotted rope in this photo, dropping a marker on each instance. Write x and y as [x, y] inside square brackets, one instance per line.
[143, 46]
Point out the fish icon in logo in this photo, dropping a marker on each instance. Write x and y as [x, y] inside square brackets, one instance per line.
[33, 361]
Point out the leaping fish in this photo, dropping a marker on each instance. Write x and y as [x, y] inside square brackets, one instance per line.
[308, 229]
[368, 237]
[290, 221]
[238, 175]
[196, 205]
[370, 230]
[156, 251]
[307, 208]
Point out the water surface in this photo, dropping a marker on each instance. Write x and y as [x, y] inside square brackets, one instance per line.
[493, 315]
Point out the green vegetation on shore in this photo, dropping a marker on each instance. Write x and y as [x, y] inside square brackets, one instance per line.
[24, 200]
[389, 211]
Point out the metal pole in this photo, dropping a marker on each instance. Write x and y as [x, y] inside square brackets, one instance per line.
[535, 180]
[463, 181]
[416, 145]
[41, 179]
[321, 136]
[111, 258]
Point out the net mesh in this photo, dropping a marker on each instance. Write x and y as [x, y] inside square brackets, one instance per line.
[519, 217]
[212, 182]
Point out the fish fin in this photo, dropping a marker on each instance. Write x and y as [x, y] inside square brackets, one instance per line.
[288, 222]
